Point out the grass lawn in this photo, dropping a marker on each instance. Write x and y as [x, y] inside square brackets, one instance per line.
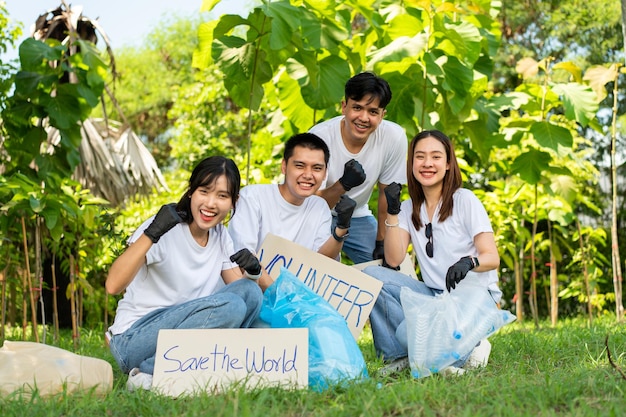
[546, 371]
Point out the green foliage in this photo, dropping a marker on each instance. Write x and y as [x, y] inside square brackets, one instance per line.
[562, 370]
[436, 58]
[43, 97]
[584, 32]
[9, 33]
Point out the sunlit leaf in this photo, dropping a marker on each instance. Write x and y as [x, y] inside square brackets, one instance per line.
[598, 77]
[579, 102]
[530, 165]
[551, 136]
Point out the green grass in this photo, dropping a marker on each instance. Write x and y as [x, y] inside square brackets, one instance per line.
[550, 371]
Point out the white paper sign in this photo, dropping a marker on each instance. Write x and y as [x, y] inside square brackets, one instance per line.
[349, 290]
[195, 360]
[406, 267]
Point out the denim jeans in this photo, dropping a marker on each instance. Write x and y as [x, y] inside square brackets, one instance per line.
[236, 305]
[387, 318]
[360, 245]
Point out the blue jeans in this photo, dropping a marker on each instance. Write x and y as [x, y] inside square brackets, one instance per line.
[237, 305]
[387, 314]
[360, 245]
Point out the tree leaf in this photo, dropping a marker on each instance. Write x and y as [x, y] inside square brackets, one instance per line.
[527, 67]
[598, 76]
[551, 136]
[579, 102]
[285, 22]
[530, 165]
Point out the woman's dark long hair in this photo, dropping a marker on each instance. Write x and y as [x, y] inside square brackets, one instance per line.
[452, 181]
[205, 174]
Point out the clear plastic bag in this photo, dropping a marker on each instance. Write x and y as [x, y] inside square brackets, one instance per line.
[334, 356]
[445, 328]
[30, 366]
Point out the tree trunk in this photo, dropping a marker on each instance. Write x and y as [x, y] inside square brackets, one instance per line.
[533, 274]
[615, 256]
[519, 281]
[554, 282]
[583, 261]
[28, 286]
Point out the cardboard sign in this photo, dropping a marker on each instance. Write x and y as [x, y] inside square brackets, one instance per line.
[349, 290]
[193, 360]
[406, 267]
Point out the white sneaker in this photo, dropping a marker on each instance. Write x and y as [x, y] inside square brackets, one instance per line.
[479, 356]
[394, 366]
[451, 371]
[138, 380]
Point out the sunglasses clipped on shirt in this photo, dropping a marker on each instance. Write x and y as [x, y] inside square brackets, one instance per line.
[429, 236]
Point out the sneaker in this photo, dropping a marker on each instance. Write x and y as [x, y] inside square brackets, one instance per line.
[451, 371]
[394, 366]
[479, 356]
[138, 380]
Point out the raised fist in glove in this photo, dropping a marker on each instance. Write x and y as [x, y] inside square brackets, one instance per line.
[392, 193]
[353, 175]
[166, 218]
[246, 259]
[458, 271]
[344, 209]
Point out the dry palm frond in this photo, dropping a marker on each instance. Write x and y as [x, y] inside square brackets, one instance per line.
[113, 166]
[66, 24]
[139, 162]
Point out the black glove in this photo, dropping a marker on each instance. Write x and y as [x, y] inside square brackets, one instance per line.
[458, 271]
[246, 259]
[344, 209]
[166, 218]
[353, 175]
[379, 250]
[392, 193]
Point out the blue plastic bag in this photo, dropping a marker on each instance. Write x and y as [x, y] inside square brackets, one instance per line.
[334, 356]
[445, 328]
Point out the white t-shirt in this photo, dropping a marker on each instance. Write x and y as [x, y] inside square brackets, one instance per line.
[452, 239]
[177, 270]
[383, 158]
[261, 209]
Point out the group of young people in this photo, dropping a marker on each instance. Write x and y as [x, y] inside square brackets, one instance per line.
[184, 269]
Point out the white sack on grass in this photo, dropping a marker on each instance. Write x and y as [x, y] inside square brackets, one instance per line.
[30, 367]
[444, 328]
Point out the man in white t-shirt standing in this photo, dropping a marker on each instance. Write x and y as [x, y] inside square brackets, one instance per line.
[365, 151]
[291, 210]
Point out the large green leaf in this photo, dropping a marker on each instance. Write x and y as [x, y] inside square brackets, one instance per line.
[398, 49]
[34, 53]
[458, 81]
[322, 82]
[285, 21]
[292, 104]
[530, 165]
[202, 54]
[245, 70]
[27, 83]
[551, 136]
[462, 40]
[63, 109]
[323, 33]
[483, 141]
[579, 101]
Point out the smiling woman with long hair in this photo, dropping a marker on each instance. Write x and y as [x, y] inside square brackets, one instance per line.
[180, 272]
[452, 238]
